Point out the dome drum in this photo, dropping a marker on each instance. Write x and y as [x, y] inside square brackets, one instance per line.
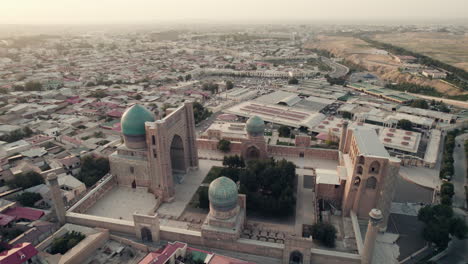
[255, 126]
[223, 196]
[133, 126]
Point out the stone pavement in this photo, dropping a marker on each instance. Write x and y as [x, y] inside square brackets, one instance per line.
[185, 191]
[422, 176]
[121, 202]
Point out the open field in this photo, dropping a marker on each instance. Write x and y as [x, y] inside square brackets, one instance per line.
[359, 52]
[448, 48]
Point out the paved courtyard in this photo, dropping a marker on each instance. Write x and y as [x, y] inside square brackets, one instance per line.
[121, 202]
[185, 190]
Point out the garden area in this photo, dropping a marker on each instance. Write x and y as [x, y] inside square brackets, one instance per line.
[269, 185]
[66, 242]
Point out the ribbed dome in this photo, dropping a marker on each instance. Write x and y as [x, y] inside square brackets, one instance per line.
[255, 126]
[133, 120]
[223, 194]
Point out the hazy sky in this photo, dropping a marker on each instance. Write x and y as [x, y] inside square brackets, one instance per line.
[111, 11]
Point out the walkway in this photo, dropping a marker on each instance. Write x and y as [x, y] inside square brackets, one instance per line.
[459, 178]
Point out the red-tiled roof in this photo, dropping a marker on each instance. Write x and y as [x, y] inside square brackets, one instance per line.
[5, 219]
[18, 254]
[24, 213]
[162, 257]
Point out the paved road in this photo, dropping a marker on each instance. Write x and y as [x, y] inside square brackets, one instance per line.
[459, 178]
[338, 69]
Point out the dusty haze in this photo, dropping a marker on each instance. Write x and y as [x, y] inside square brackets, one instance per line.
[124, 11]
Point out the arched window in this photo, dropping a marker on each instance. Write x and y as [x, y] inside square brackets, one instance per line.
[371, 183]
[357, 181]
[374, 167]
[359, 170]
[361, 160]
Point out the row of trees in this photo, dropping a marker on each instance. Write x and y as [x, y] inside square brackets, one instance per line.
[93, 169]
[29, 86]
[415, 88]
[447, 168]
[17, 134]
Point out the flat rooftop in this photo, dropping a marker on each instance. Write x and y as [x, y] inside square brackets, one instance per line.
[284, 115]
[121, 202]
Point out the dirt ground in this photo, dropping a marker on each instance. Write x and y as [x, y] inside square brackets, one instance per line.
[361, 53]
[446, 47]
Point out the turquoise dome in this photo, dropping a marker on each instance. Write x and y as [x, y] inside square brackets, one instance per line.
[133, 120]
[223, 194]
[255, 126]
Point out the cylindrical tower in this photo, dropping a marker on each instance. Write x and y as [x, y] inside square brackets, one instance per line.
[57, 199]
[344, 131]
[371, 235]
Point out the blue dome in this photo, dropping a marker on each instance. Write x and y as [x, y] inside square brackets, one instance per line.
[223, 194]
[133, 120]
[255, 126]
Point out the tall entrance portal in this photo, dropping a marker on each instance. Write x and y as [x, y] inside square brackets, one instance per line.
[171, 149]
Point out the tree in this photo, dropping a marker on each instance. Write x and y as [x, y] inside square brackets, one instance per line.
[224, 145]
[28, 198]
[64, 243]
[405, 124]
[200, 113]
[138, 97]
[33, 86]
[284, 131]
[420, 103]
[93, 169]
[233, 161]
[229, 85]
[188, 77]
[26, 180]
[212, 87]
[447, 189]
[293, 81]
[347, 115]
[325, 233]
[203, 201]
[440, 224]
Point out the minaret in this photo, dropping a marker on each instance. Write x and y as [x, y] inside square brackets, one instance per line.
[59, 206]
[344, 131]
[371, 235]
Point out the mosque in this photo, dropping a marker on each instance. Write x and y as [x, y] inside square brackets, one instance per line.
[155, 153]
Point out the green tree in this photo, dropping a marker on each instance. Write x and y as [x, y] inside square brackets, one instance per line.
[284, 131]
[28, 198]
[93, 169]
[347, 115]
[26, 180]
[188, 77]
[293, 81]
[33, 86]
[325, 233]
[224, 145]
[405, 124]
[420, 103]
[203, 201]
[200, 113]
[138, 97]
[229, 85]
